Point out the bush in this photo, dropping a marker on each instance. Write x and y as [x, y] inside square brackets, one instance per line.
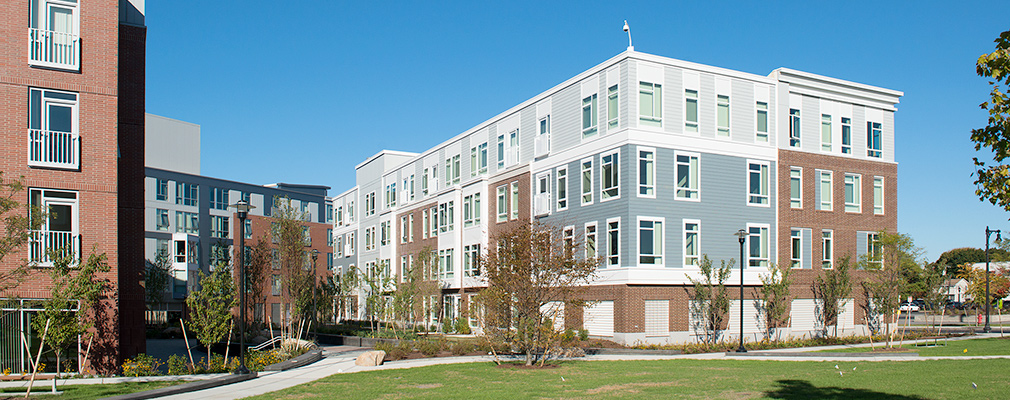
[583, 334]
[462, 348]
[462, 326]
[142, 365]
[177, 365]
[395, 351]
[256, 360]
[568, 336]
[430, 347]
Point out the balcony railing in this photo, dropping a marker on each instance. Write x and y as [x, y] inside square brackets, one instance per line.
[542, 145]
[45, 244]
[53, 149]
[54, 49]
[542, 204]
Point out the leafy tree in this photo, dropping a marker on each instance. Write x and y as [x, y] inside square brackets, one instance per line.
[999, 284]
[257, 270]
[297, 274]
[530, 275]
[156, 278]
[414, 286]
[210, 306]
[833, 288]
[17, 227]
[891, 255]
[993, 180]
[376, 281]
[775, 301]
[710, 300]
[952, 260]
[346, 284]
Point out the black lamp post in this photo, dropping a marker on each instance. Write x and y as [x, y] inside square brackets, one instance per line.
[742, 234]
[315, 282]
[988, 305]
[242, 210]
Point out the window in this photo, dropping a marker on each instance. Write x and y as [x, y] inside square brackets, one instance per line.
[471, 210]
[852, 196]
[425, 224]
[762, 121]
[587, 181]
[646, 172]
[275, 285]
[650, 241]
[796, 187]
[827, 249]
[350, 211]
[340, 215]
[589, 117]
[796, 255]
[218, 227]
[390, 199]
[384, 233]
[794, 127]
[873, 249]
[370, 204]
[219, 255]
[562, 188]
[446, 267]
[329, 212]
[515, 200]
[446, 217]
[248, 229]
[824, 189]
[410, 228]
[508, 149]
[424, 183]
[614, 242]
[187, 222]
[758, 245]
[591, 252]
[542, 143]
[757, 177]
[612, 107]
[542, 194]
[403, 229]
[218, 198]
[878, 195]
[502, 205]
[846, 136]
[59, 229]
[568, 240]
[162, 189]
[873, 132]
[692, 241]
[452, 170]
[650, 104]
[408, 187]
[691, 110]
[161, 219]
[352, 243]
[610, 172]
[306, 236]
[434, 221]
[825, 132]
[339, 246]
[471, 260]
[186, 193]
[275, 259]
[722, 115]
[53, 34]
[478, 159]
[369, 238]
[687, 176]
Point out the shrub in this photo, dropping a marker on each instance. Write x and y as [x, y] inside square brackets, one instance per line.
[142, 365]
[462, 326]
[256, 360]
[583, 334]
[568, 336]
[430, 347]
[177, 365]
[462, 348]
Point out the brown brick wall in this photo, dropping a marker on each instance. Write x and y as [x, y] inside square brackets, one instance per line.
[420, 242]
[493, 226]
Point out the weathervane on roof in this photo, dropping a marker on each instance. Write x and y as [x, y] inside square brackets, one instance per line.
[627, 29]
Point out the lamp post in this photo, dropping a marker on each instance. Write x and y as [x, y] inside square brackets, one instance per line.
[315, 311]
[242, 210]
[988, 306]
[742, 235]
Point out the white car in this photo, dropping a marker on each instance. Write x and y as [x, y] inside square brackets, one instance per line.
[909, 307]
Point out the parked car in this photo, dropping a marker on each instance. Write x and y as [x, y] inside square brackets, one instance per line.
[906, 306]
[954, 305]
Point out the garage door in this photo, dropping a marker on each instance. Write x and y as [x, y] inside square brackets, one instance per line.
[657, 317]
[751, 317]
[804, 315]
[598, 318]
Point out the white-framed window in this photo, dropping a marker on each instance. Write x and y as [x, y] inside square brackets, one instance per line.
[824, 190]
[610, 173]
[853, 197]
[796, 249]
[568, 238]
[826, 133]
[846, 135]
[187, 222]
[591, 248]
[350, 211]
[614, 242]
[587, 181]
[370, 204]
[404, 268]
[445, 263]
[352, 243]
[410, 228]
[613, 110]
[338, 246]
[589, 117]
[59, 230]
[542, 143]
[384, 236]
[329, 212]
[690, 111]
[873, 248]
[478, 159]
[722, 115]
[187, 194]
[425, 223]
[508, 149]
[391, 195]
[515, 200]
[688, 172]
[471, 210]
[650, 104]
[647, 172]
[446, 216]
[54, 34]
[827, 249]
[502, 203]
[762, 121]
[161, 221]
[692, 242]
[471, 260]
[542, 194]
[757, 239]
[424, 182]
[403, 229]
[650, 240]
[340, 215]
[407, 189]
[218, 198]
[794, 127]
[878, 195]
[757, 183]
[796, 187]
[162, 189]
[873, 133]
[219, 227]
[452, 166]
[562, 173]
[369, 238]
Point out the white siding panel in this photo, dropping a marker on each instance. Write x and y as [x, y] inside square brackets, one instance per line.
[847, 315]
[804, 315]
[557, 308]
[751, 317]
[598, 318]
[657, 317]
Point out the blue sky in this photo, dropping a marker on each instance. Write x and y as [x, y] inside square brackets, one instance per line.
[303, 94]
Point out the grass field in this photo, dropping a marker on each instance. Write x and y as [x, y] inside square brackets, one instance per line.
[80, 392]
[972, 347]
[733, 379]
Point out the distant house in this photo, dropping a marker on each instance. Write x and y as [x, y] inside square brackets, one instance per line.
[956, 290]
[994, 267]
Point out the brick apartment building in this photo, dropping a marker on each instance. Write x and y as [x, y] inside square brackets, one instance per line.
[72, 123]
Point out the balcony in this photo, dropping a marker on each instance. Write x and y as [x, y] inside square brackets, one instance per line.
[542, 204]
[542, 145]
[46, 244]
[54, 49]
[53, 149]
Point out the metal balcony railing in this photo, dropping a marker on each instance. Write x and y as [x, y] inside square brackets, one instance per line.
[44, 243]
[53, 149]
[54, 49]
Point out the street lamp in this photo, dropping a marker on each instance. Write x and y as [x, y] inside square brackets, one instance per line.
[742, 234]
[242, 210]
[315, 256]
[988, 306]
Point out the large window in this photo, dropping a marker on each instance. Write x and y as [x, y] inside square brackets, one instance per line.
[186, 193]
[610, 173]
[445, 264]
[796, 253]
[646, 172]
[690, 110]
[762, 121]
[471, 260]
[796, 187]
[846, 135]
[446, 216]
[218, 227]
[612, 107]
[722, 115]
[390, 198]
[508, 149]
[688, 171]
[825, 132]
[187, 222]
[452, 166]
[650, 104]
[589, 117]
[502, 203]
[794, 127]
[873, 133]
[218, 198]
[53, 34]
[478, 159]
[562, 188]
[471, 210]
[853, 201]
[587, 181]
[824, 190]
[827, 249]
[370, 204]
[515, 200]
[369, 238]
[650, 241]
[758, 245]
[878, 195]
[614, 242]
[692, 241]
[59, 229]
[162, 189]
[591, 252]
[161, 219]
[757, 183]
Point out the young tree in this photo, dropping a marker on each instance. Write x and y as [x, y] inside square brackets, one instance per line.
[833, 288]
[156, 278]
[210, 306]
[257, 270]
[413, 286]
[296, 266]
[890, 256]
[17, 227]
[775, 299]
[710, 300]
[993, 181]
[530, 273]
[346, 284]
[377, 282]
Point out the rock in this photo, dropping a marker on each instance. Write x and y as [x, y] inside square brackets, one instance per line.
[370, 358]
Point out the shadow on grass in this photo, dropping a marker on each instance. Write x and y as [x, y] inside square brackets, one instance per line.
[797, 389]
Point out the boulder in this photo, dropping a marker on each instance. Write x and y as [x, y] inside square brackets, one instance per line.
[370, 358]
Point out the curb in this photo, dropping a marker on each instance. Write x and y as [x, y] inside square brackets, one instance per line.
[592, 351]
[300, 361]
[185, 387]
[819, 354]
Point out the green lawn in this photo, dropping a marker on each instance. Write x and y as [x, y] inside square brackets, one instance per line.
[701, 379]
[75, 392]
[974, 347]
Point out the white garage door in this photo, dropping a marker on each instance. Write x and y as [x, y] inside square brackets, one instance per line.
[804, 314]
[657, 317]
[847, 315]
[598, 318]
[751, 317]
